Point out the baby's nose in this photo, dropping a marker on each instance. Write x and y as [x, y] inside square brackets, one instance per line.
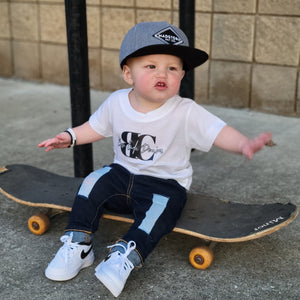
[161, 72]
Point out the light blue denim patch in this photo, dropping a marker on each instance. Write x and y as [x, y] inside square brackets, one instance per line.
[158, 206]
[91, 180]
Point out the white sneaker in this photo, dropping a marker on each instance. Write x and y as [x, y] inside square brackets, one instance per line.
[114, 270]
[69, 260]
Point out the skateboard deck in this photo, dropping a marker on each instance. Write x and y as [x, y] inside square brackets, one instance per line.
[205, 217]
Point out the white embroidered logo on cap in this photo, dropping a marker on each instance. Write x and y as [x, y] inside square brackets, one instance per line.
[168, 36]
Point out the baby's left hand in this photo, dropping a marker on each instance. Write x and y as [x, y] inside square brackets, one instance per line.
[252, 146]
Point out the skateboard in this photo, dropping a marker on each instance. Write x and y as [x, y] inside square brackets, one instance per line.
[205, 217]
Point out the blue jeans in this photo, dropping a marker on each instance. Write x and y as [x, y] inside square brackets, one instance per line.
[156, 204]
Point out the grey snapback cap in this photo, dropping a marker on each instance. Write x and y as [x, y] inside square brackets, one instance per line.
[160, 38]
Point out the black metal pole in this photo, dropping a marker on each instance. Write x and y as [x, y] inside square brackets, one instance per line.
[79, 79]
[187, 24]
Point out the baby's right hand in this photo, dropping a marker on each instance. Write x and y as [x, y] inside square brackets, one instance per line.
[62, 140]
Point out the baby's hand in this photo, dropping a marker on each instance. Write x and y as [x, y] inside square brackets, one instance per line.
[62, 140]
[252, 146]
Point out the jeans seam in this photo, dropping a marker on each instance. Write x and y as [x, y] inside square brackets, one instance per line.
[129, 189]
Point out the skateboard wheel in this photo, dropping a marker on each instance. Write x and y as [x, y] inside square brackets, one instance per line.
[39, 224]
[201, 257]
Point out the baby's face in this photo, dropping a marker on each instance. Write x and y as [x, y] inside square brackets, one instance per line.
[155, 78]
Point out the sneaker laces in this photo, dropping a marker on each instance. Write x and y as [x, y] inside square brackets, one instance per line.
[125, 262]
[68, 245]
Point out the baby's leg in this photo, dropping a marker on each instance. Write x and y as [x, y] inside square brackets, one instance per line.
[158, 204]
[77, 250]
[97, 189]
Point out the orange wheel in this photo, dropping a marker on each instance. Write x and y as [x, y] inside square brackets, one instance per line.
[39, 224]
[201, 257]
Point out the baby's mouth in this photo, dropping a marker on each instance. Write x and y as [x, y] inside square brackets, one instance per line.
[161, 84]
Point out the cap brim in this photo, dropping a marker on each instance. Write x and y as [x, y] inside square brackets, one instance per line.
[191, 57]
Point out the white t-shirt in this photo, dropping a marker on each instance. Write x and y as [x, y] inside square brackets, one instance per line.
[157, 143]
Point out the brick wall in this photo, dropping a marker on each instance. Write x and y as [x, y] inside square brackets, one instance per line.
[254, 46]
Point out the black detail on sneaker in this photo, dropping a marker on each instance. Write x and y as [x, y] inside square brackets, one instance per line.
[107, 257]
[85, 254]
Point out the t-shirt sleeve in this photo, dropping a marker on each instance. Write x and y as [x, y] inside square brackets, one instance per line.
[202, 128]
[101, 119]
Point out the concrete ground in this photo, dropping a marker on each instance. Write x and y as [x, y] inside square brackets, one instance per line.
[266, 268]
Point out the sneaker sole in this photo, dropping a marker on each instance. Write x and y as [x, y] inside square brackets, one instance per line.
[108, 283]
[56, 277]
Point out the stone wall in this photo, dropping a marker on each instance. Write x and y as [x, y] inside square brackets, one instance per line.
[254, 46]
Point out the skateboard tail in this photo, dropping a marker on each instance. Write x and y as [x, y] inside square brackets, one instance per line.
[33, 204]
[257, 232]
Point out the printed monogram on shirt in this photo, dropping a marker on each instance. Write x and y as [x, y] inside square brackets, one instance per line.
[138, 146]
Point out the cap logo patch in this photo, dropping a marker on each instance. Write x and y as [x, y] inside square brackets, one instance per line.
[168, 36]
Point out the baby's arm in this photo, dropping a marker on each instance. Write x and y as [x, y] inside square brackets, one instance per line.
[84, 134]
[232, 140]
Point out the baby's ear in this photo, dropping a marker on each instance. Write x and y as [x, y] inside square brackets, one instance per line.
[127, 75]
[183, 73]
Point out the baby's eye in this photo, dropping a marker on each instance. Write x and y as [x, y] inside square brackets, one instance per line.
[172, 68]
[150, 66]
